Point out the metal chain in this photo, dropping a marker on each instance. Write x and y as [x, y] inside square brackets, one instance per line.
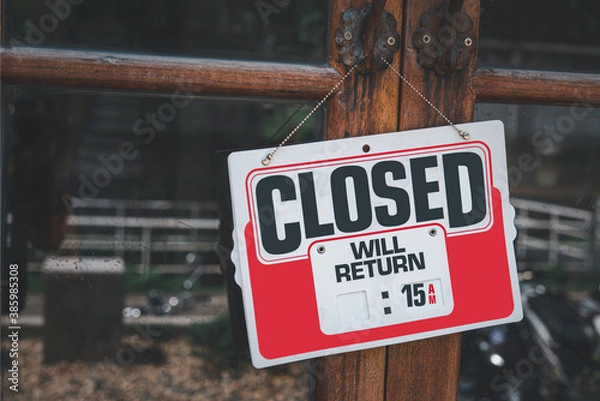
[464, 134]
[268, 158]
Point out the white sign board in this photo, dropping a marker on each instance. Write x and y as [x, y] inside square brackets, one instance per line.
[362, 242]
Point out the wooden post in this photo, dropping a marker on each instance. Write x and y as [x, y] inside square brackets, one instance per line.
[422, 370]
[429, 369]
[364, 105]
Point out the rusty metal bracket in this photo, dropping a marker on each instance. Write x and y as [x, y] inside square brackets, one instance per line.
[446, 39]
[367, 35]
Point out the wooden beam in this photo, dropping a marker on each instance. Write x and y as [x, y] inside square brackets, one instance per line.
[541, 87]
[364, 105]
[34, 66]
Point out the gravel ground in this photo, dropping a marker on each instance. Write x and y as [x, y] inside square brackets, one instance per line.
[184, 375]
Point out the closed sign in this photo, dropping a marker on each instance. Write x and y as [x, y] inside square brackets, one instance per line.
[362, 242]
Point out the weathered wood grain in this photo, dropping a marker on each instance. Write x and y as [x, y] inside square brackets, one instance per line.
[364, 105]
[540, 87]
[34, 66]
[428, 369]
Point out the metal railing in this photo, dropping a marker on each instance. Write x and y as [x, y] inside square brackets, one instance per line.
[551, 235]
[548, 235]
[137, 231]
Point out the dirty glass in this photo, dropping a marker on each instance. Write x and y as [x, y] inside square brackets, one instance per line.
[117, 228]
[540, 35]
[554, 176]
[277, 30]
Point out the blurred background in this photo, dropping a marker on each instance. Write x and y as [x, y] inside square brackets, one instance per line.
[114, 206]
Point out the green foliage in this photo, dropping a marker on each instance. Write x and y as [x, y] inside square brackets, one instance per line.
[139, 282]
[558, 275]
[280, 122]
[35, 282]
[136, 282]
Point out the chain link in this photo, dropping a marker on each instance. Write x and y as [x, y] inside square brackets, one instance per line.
[464, 134]
[268, 158]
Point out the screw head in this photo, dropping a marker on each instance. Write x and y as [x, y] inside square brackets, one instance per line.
[426, 39]
[391, 41]
[433, 232]
[321, 249]
[468, 42]
[348, 35]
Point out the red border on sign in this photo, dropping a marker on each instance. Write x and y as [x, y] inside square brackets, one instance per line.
[286, 312]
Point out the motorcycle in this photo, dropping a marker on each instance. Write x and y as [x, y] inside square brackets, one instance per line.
[550, 355]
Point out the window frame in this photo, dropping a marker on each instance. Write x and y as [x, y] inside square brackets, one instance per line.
[367, 375]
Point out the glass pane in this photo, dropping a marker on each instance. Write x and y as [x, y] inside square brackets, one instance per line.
[552, 151]
[117, 232]
[550, 35]
[282, 30]
[554, 175]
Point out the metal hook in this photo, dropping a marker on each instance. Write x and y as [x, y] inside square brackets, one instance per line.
[367, 35]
